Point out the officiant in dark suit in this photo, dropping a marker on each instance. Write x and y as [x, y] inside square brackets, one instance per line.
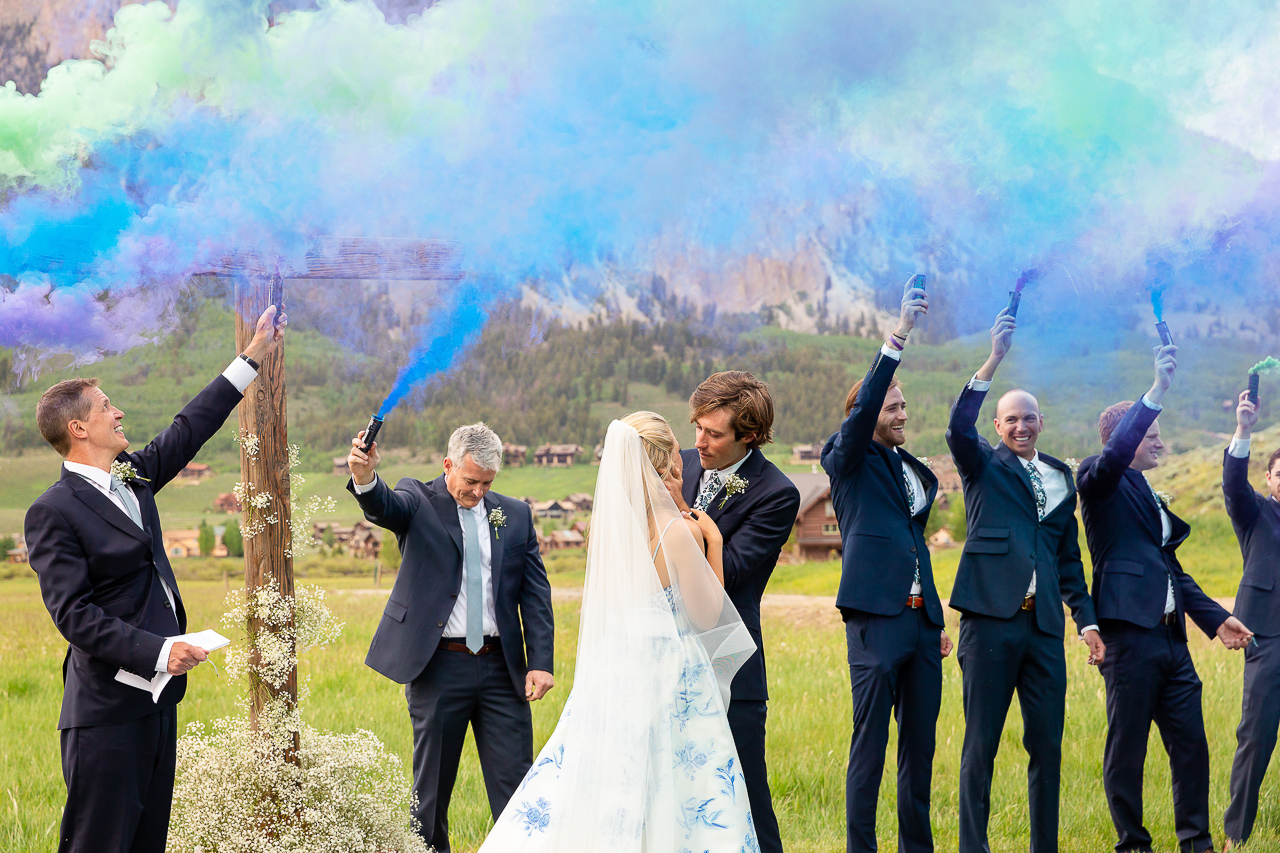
[1143, 598]
[1021, 562]
[892, 615]
[468, 628]
[1256, 519]
[95, 543]
[754, 505]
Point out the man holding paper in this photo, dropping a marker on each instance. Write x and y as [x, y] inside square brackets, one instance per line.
[95, 542]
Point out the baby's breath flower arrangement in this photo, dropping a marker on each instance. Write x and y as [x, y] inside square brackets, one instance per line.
[257, 505]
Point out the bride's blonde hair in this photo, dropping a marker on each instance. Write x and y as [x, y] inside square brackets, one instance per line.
[659, 441]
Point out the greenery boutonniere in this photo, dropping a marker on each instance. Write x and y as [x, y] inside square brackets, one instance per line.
[497, 520]
[125, 472]
[733, 485]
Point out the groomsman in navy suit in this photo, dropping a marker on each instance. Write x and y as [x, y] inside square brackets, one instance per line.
[1256, 519]
[1021, 562]
[97, 547]
[892, 615]
[1143, 597]
[754, 504]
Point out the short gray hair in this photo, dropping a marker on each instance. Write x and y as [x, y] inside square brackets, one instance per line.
[481, 442]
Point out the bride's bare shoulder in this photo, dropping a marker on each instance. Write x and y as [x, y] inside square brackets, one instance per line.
[695, 530]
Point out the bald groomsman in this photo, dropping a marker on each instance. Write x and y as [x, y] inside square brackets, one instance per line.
[1256, 519]
[1021, 561]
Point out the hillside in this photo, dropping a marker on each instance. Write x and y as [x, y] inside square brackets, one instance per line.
[1195, 477]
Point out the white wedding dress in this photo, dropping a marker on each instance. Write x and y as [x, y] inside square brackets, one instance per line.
[642, 759]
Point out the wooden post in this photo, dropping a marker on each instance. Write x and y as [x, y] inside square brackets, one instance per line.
[263, 414]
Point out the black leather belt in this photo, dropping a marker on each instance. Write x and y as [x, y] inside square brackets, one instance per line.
[1170, 618]
[491, 645]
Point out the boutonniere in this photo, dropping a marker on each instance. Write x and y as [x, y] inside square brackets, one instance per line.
[1165, 496]
[497, 520]
[733, 485]
[924, 460]
[1073, 465]
[125, 472]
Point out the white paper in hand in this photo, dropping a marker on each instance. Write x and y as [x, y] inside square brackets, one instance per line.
[209, 640]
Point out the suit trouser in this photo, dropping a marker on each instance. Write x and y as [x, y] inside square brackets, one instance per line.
[895, 669]
[1256, 735]
[1150, 677]
[119, 785]
[747, 724]
[997, 657]
[457, 689]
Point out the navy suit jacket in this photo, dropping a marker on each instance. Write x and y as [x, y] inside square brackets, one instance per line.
[1122, 524]
[1007, 540]
[1256, 520]
[755, 524]
[880, 539]
[424, 519]
[99, 573]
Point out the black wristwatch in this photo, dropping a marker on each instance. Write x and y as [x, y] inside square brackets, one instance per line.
[250, 362]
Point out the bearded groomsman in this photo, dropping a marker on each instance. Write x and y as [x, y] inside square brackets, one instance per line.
[892, 615]
[1256, 519]
[1021, 561]
[754, 504]
[1143, 597]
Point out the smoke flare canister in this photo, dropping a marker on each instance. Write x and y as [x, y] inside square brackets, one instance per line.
[1162, 329]
[1015, 299]
[1253, 388]
[371, 432]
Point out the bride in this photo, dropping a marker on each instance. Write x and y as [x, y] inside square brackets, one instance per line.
[642, 758]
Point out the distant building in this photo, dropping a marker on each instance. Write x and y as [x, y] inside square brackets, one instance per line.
[340, 467]
[514, 455]
[195, 472]
[553, 509]
[17, 554]
[581, 500]
[227, 502]
[186, 543]
[801, 453]
[556, 455]
[558, 540]
[816, 531]
[361, 539]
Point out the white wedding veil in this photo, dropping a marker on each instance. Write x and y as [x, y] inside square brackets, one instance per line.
[608, 764]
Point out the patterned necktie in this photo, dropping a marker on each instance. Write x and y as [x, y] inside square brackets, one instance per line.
[911, 508]
[708, 491]
[475, 591]
[1037, 486]
[130, 503]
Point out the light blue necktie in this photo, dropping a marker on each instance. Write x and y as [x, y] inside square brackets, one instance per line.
[130, 503]
[475, 590]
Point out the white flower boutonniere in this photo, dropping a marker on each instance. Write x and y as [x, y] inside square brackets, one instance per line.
[733, 485]
[497, 520]
[924, 460]
[1165, 496]
[124, 472]
[1072, 464]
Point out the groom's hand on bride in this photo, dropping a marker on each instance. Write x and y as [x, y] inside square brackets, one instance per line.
[946, 644]
[536, 684]
[362, 464]
[674, 481]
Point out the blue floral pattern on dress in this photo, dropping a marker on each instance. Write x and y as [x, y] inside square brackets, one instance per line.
[537, 816]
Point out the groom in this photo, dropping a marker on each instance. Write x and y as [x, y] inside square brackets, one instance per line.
[754, 505]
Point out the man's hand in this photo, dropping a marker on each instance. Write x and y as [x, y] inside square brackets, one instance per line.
[184, 657]
[1166, 365]
[362, 464]
[537, 683]
[1001, 342]
[674, 481]
[1246, 417]
[1234, 634]
[267, 335]
[1097, 648]
[947, 645]
[915, 302]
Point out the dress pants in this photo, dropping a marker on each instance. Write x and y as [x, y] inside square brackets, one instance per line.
[895, 669]
[747, 724]
[999, 656]
[1150, 677]
[1256, 736]
[119, 785]
[457, 689]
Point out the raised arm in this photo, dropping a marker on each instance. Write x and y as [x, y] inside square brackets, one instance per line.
[390, 508]
[761, 537]
[1241, 500]
[968, 448]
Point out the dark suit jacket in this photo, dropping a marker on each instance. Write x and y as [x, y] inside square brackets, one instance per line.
[424, 518]
[1122, 524]
[1007, 540]
[755, 524]
[1256, 520]
[880, 538]
[99, 573]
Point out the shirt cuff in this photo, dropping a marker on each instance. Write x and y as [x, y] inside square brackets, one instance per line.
[976, 384]
[1239, 447]
[1151, 405]
[892, 353]
[367, 487]
[1089, 628]
[162, 662]
[240, 374]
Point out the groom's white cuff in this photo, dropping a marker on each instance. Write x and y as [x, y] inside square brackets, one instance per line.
[367, 487]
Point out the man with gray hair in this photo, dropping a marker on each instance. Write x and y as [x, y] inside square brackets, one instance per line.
[470, 601]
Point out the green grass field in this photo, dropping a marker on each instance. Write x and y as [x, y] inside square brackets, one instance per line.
[808, 731]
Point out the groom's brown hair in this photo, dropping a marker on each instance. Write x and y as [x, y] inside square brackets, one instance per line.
[746, 398]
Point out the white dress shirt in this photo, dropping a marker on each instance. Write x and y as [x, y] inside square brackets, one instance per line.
[239, 374]
[921, 496]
